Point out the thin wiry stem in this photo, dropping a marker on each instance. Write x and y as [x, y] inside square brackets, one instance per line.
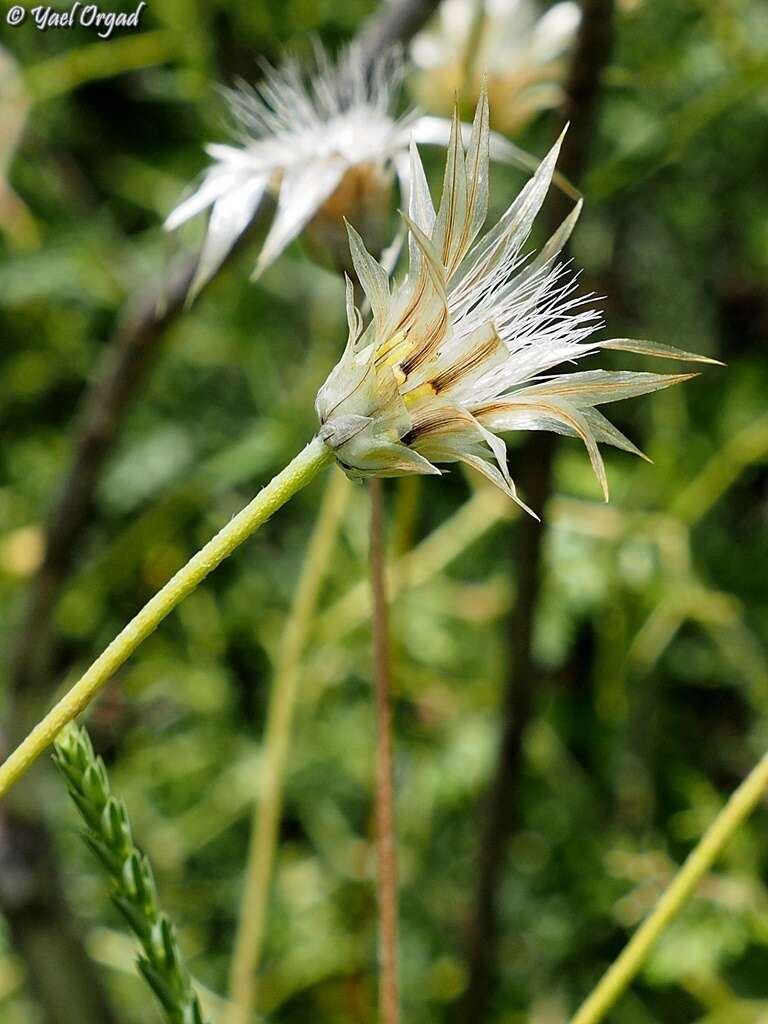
[280, 716]
[109, 837]
[389, 994]
[620, 974]
[279, 490]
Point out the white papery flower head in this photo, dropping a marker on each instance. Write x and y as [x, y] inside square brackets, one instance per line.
[327, 146]
[518, 51]
[461, 351]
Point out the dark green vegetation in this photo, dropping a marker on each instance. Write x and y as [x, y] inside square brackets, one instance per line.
[651, 671]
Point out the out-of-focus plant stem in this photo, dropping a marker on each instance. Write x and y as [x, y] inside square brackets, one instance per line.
[386, 846]
[620, 974]
[280, 717]
[75, 67]
[582, 95]
[447, 541]
[393, 24]
[280, 489]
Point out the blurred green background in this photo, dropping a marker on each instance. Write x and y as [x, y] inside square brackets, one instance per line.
[651, 697]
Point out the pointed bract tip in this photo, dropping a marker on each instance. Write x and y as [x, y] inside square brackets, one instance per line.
[656, 349]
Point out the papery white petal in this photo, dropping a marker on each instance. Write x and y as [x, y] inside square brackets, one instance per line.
[548, 413]
[391, 254]
[373, 278]
[551, 248]
[436, 131]
[413, 186]
[354, 320]
[453, 201]
[500, 245]
[421, 209]
[477, 161]
[237, 158]
[595, 387]
[604, 432]
[433, 267]
[654, 348]
[230, 216]
[216, 182]
[463, 360]
[555, 30]
[303, 190]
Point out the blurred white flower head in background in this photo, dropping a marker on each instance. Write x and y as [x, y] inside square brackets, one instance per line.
[327, 146]
[462, 350]
[518, 50]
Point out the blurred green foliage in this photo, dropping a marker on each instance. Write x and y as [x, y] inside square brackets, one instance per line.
[653, 623]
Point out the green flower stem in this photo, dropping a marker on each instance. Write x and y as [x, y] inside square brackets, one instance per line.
[277, 492]
[620, 974]
[268, 808]
[108, 835]
[64, 72]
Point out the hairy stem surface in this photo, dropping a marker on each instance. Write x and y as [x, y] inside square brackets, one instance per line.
[290, 480]
[268, 808]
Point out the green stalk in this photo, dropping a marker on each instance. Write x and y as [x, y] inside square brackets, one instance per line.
[267, 810]
[278, 491]
[108, 835]
[621, 973]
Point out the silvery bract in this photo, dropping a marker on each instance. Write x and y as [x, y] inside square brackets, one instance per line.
[458, 353]
[327, 147]
[516, 50]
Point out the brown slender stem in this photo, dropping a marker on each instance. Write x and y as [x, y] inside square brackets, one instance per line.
[278, 733]
[392, 25]
[535, 477]
[389, 995]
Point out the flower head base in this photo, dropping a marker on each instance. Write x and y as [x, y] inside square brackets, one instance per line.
[327, 147]
[459, 352]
